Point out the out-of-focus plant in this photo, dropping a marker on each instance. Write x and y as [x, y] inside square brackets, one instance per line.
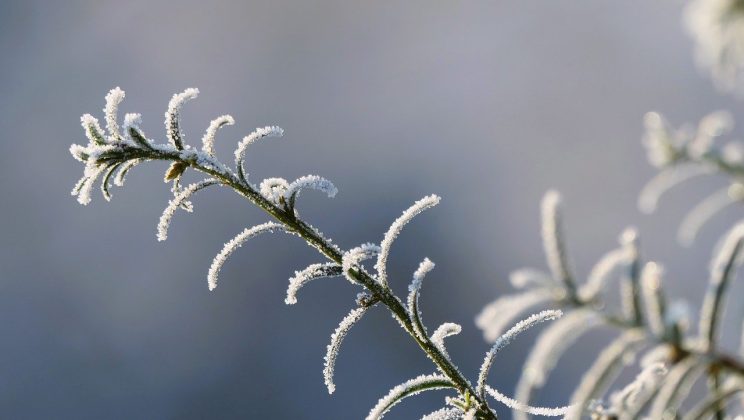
[675, 357]
[717, 26]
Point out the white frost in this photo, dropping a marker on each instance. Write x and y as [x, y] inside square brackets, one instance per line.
[336, 339]
[111, 110]
[310, 181]
[216, 124]
[395, 229]
[407, 389]
[234, 244]
[172, 124]
[312, 272]
[177, 201]
[413, 294]
[518, 406]
[259, 133]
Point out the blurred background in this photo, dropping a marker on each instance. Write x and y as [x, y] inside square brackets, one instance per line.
[487, 103]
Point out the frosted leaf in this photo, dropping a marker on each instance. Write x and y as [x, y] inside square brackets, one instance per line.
[637, 391]
[711, 126]
[395, 229]
[443, 331]
[733, 153]
[84, 190]
[549, 347]
[80, 153]
[530, 278]
[111, 110]
[651, 285]
[518, 406]
[355, 256]
[717, 27]
[705, 210]
[170, 210]
[92, 129]
[106, 181]
[273, 189]
[234, 244]
[312, 272]
[445, 413]
[216, 124]
[498, 315]
[603, 371]
[407, 389]
[259, 133]
[675, 388]
[507, 338]
[630, 292]
[601, 273]
[553, 243]
[413, 294]
[336, 339]
[723, 268]
[172, 123]
[666, 180]
[309, 181]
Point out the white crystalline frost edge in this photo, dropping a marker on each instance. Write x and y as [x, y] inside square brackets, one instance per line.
[173, 205]
[407, 389]
[172, 128]
[506, 338]
[333, 347]
[110, 111]
[234, 244]
[548, 348]
[312, 272]
[516, 405]
[355, 256]
[311, 181]
[413, 294]
[395, 229]
[259, 133]
[214, 126]
[445, 413]
[499, 314]
[443, 331]
[636, 391]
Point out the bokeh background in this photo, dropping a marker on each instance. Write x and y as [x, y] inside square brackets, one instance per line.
[487, 103]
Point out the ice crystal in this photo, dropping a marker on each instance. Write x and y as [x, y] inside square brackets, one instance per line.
[259, 133]
[553, 243]
[443, 331]
[111, 110]
[355, 256]
[518, 406]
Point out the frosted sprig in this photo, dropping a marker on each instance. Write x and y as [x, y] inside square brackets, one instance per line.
[395, 229]
[273, 189]
[445, 413]
[314, 182]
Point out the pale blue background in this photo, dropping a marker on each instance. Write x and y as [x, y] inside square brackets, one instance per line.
[487, 103]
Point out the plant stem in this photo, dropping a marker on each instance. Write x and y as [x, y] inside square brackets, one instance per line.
[379, 292]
